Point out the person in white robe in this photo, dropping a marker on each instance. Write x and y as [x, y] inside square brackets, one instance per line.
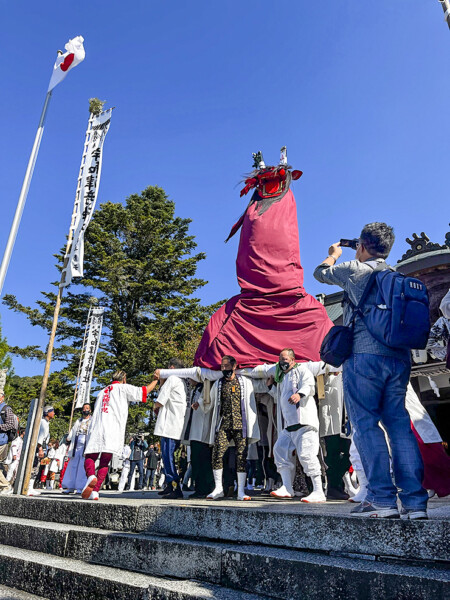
[43, 439]
[196, 435]
[334, 428]
[213, 404]
[297, 423]
[445, 305]
[56, 464]
[15, 450]
[126, 453]
[107, 430]
[298, 426]
[170, 408]
[75, 476]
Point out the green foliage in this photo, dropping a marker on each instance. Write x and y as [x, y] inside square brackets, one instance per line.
[59, 395]
[96, 106]
[5, 361]
[140, 263]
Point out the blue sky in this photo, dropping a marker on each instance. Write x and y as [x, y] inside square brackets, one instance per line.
[359, 93]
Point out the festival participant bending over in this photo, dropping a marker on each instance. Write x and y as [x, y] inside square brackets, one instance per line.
[107, 430]
[298, 425]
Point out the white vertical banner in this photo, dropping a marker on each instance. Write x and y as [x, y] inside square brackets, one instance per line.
[86, 196]
[88, 356]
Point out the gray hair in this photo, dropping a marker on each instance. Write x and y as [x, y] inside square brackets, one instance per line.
[289, 351]
[378, 239]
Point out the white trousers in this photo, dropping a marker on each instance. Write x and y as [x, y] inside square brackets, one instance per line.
[12, 468]
[306, 442]
[124, 478]
[355, 458]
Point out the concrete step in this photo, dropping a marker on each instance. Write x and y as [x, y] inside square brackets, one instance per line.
[59, 578]
[7, 593]
[301, 527]
[272, 572]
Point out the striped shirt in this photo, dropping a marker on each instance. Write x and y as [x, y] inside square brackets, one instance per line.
[353, 276]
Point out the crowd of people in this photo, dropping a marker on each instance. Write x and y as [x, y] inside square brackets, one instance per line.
[310, 430]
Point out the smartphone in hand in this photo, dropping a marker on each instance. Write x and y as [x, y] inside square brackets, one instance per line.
[349, 243]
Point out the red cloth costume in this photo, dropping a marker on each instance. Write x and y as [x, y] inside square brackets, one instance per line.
[273, 311]
[436, 464]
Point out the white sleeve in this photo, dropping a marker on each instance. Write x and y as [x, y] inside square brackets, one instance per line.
[260, 386]
[259, 372]
[316, 368]
[210, 374]
[166, 389]
[134, 393]
[191, 373]
[306, 383]
[72, 432]
[445, 305]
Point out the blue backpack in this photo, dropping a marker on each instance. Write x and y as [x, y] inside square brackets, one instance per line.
[400, 317]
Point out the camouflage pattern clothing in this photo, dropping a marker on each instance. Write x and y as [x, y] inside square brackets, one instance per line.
[230, 428]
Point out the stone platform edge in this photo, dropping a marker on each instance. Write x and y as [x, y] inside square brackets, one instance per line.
[366, 537]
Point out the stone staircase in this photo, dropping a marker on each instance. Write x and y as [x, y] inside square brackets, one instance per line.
[66, 548]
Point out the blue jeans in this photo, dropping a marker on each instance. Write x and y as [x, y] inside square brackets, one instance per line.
[149, 477]
[374, 392]
[140, 465]
[168, 447]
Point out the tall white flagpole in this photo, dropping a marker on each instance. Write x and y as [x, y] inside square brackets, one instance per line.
[446, 8]
[23, 193]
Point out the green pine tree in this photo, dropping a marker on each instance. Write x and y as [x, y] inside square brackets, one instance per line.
[140, 263]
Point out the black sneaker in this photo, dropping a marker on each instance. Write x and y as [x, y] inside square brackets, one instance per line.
[197, 496]
[336, 494]
[413, 514]
[165, 490]
[367, 509]
[174, 494]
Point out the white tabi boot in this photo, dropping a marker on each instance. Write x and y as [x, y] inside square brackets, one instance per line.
[31, 491]
[317, 494]
[217, 492]
[360, 496]
[286, 490]
[348, 485]
[241, 495]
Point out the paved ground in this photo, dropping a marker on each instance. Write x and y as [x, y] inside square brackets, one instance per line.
[438, 508]
[13, 594]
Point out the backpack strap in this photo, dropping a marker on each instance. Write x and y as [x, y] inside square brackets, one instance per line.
[358, 308]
